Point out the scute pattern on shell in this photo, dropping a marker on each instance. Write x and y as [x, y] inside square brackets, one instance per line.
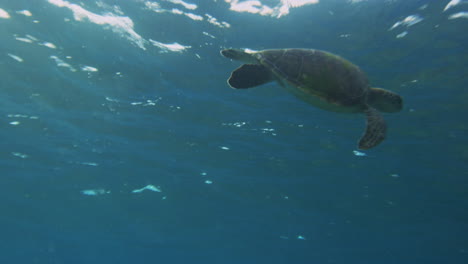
[318, 73]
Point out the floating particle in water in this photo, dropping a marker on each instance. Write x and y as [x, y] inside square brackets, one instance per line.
[235, 124]
[61, 63]
[94, 192]
[214, 21]
[394, 175]
[48, 45]
[209, 35]
[359, 154]
[459, 15]
[148, 102]
[184, 4]
[4, 14]
[21, 116]
[423, 7]
[16, 58]
[17, 115]
[451, 4]
[24, 13]
[31, 37]
[208, 182]
[94, 164]
[408, 21]
[109, 99]
[174, 47]
[152, 102]
[265, 130]
[27, 40]
[19, 155]
[402, 34]
[301, 237]
[89, 69]
[14, 123]
[224, 148]
[149, 188]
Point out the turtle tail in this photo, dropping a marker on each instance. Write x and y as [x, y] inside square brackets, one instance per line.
[376, 129]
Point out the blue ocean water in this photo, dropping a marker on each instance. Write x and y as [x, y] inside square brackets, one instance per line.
[123, 143]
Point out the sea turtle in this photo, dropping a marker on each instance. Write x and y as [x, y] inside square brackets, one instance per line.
[320, 78]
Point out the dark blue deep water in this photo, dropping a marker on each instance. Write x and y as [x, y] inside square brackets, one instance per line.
[121, 141]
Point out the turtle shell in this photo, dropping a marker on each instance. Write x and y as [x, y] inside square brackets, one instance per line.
[318, 77]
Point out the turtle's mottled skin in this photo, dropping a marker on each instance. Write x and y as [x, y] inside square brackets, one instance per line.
[320, 78]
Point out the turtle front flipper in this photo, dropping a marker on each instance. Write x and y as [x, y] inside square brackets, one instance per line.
[384, 100]
[240, 55]
[249, 75]
[375, 131]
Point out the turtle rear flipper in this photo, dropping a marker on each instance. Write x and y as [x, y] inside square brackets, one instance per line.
[375, 131]
[250, 75]
[384, 100]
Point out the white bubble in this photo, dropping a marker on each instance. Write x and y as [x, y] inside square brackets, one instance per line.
[149, 188]
[48, 45]
[19, 155]
[402, 34]
[89, 69]
[24, 12]
[16, 58]
[4, 14]
[94, 192]
[358, 153]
